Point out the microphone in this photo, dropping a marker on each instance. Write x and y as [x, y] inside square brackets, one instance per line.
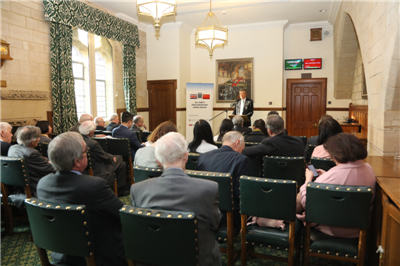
[233, 104]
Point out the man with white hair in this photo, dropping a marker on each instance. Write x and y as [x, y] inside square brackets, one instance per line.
[237, 121]
[174, 190]
[105, 164]
[38, 166]
[138, 122]
[67, 152]
[5, 137]
[114, 122]
[228, 159]
[99, 121]
[83, 118]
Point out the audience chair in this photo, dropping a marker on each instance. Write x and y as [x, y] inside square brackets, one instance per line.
[159, 237]
[304, 139]
[255, 167]
[308, 152]
[249, 144]
[340, 206]
[322, 163]
[139, 137]
[273, 199]
[14, 172]
[42, 148]
[218, 144]
[61, 228]
[225, 189]
[89, 167]
[103, 143]
[280, 167]
[121, 146]
[144, 173]
[192, 161]
[145, 135]
[107, 133]
[98, 131]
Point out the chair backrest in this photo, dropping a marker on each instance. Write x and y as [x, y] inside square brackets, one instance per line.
[89, 167]
[249, 144]
[103, 143]
[218, 144]
[60, 228]
[255, 167]
[335, 205]
[160, 237]
[119, 146]
[145, 135]
[143, 173]
[322, 163]
[14, 171]
[304, 139]
[225, 186]
[280, 167]
[268, 198]
[42, 147]
[107, 133]
[192, 161]
[139, 137]
[309, 150]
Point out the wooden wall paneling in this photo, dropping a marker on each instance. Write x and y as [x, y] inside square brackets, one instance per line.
[359, 113]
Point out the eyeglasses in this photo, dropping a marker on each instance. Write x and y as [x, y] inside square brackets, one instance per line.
[86, 150]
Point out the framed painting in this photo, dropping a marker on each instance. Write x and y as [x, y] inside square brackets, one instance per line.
[233, 75]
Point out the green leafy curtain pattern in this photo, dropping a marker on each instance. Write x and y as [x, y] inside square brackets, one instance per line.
[62, 79]
[64, 14]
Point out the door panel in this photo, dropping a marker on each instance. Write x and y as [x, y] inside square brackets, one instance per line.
[305, 104]
[162, 101]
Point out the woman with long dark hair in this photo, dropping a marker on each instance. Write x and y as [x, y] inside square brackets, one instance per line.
[327, 128]
[225, 127]
[259, 132]
[203, 139]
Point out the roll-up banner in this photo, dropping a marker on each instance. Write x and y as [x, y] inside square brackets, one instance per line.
[199, 105]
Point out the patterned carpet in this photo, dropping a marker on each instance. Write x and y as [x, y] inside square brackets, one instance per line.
[18, 250]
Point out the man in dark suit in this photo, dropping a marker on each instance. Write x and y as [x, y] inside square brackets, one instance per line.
[237, 121]
[5, 137]
[105, 164]
[123, 132]
[67, 152]
[228, 159]
[38, 166]
[99, 121]
[174, 190]
[137, 124]
[279, 143]
[82, 118]
[244, 106]
[114, 123]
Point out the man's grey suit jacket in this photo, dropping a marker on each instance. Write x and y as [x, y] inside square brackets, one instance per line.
[174, 190]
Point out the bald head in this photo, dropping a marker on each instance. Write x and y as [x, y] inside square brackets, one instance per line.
[85, 117]
[235, 140]
[99, 121]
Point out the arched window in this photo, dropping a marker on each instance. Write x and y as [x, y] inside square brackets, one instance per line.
[93, 73]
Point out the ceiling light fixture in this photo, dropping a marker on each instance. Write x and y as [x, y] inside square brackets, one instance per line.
[156, 9]
[211, 33]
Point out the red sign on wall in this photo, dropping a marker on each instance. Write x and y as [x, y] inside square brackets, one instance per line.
[313, 63]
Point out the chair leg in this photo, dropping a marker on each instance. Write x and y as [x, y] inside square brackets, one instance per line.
[7, 211]
[230, 236]
[306, 246]
[90, 261]
[43, 256]
[131, 262]
[115, 187]
[361, 247]
[291, 243]
[243, 242]
[131, 170]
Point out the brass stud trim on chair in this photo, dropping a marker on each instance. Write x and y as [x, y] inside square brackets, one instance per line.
[158, 215]
[40, 204]
[327, 187]
[337, 254]
[88, 243]
[130, 211]
[169, 216]
[84, 223]
[358, 189]
[337, 188]
[123, 209]
[58, 207]
[284, 181]
[269, 246]
[148, 214]
[355, 257]
[87, 233]
[180, 216]
[261, 245]
[277, 248]
[34, 201]
[347, 255]
[327, 252]
[319, 251]
[252, 244]
[68, 207]
[140, 212]
[369, 189]
[190, 215]
[83, 211]
[308, 185]
[48, 206]
[256, 179]
[78, 208]
[195, 221]
[348, 189]
[275, 181]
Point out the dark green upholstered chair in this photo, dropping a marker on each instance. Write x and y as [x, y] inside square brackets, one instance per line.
[192, 161]
[225, 189]
[255, 167]
[281, 167]
[14, 172]
[42, 148]
[60, 228]
[145, 135]
[107, 133]
[273, 199]
[249, 144]
[122, 146]
[308, 151]
[218, 143]
[159, 237]
[340, 206]
[139, 137]
[304, 139]
[322, 163]
[103, 143]
[144, 173]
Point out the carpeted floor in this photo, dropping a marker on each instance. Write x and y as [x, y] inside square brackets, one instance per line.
[18, 250]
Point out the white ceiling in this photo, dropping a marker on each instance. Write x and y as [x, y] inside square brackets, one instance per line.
[193, 12]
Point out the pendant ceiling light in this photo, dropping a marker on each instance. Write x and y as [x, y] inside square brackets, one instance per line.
[211, 33]
[156, 9]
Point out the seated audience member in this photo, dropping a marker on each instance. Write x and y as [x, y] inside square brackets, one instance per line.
[313, 140]
[225, 127]
[327, 128]
[99, 121]
[104, 164]
[279, 143]
[174, 190]
[123, 132]
[347, 152]
[228, 159]
[5, 137]
[114, 122]
[146, 156]
[67, 152]
[46, 131]
[259, 132]
[83, 118]
[275, 113]
[38, 166]
[202, 138]
[238, 125]
[138, 122]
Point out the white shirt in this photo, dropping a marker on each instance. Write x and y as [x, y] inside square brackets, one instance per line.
[242, 106]
[205, 147]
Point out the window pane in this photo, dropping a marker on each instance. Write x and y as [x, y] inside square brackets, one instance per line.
[83, 37]
[77, 69]
[101, 98]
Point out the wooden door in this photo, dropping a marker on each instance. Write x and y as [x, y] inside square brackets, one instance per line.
[305, 104]
[162, 101]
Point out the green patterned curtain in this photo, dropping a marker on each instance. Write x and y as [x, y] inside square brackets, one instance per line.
[62, 79]
[129, 70]
[71, 13]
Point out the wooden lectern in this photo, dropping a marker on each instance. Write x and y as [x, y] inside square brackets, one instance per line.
[245, 118]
